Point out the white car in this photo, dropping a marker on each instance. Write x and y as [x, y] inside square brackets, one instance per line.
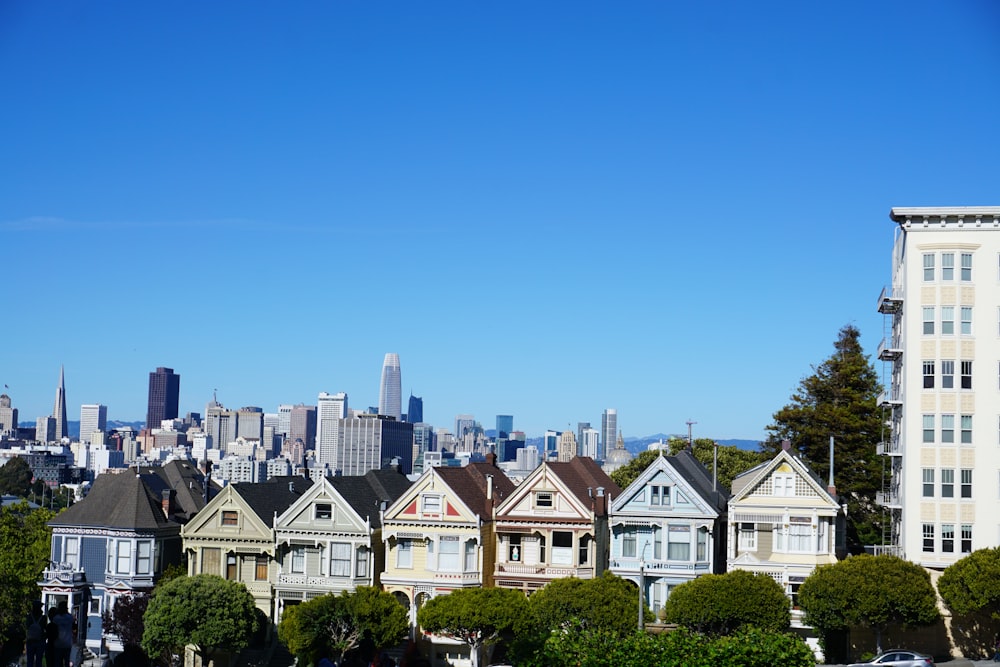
[899, 658]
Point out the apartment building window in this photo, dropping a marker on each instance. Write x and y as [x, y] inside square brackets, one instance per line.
[947, 483]
[966, 423]
[928, 320]
[947, 320]
[928, 529]
[298, 559]
[678, 542]
[966, 267]
[966, 538]
[404, 553]
[928, 428]
[928, 266]
[947, 266]
[748, 537]
[948, 429]
[948, 374]
[966, 377]
[928, 482]
[966, 325]
[628, 543]
[948, 537]
[361, 562]
[928, 374]
[966, 482]
[260, 568]
[340, 559]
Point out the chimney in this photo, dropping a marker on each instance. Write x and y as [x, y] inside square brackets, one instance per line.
[489, 487]
[167, 502]
[491, 458]
[831, 488]
[786, 445]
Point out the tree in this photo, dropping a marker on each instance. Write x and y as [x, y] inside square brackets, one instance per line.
[868, 591]
[125, 619]
[476, 616]
[15, 477]
[731, 460]
[212, 614]
[606, 603]
[25, 541]
[840, 399]
[972, 584]
[719, 604]
[337, 624]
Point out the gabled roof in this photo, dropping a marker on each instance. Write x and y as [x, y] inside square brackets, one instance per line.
[125, 501]
[746, 482]
[270, 498]
[698, 476]
[188, 482]
[366, 493]
[470, 483]
[582, 476]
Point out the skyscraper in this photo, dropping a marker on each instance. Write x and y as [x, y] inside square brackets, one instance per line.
[164, 395]
[330, 409]
[93, 417]
[59, 409]
[415, 410]
[370, 442]
[464, 424]
[250, 423]
[505, 425]
[8, 416]
[609, 430]
[390, 393]
[302, 425]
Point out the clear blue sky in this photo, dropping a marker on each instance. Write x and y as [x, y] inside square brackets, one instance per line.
[546, 209]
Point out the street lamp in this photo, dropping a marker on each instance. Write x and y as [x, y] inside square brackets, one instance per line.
[642, 585]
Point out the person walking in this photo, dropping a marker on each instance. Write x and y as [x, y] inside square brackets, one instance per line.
[64, 640]
[34, 635]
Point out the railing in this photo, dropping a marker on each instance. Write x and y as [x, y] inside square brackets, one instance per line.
[890, 300]
[658, 566]
[888, 499]
[312, 581]
[884, 549]
[890, 348]
[544, 570]
[890, 447]
[890, 397]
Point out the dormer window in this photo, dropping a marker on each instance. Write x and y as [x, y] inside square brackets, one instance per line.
[324, 511]
[543, 499]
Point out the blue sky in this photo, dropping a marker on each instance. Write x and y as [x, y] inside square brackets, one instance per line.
[547, 209]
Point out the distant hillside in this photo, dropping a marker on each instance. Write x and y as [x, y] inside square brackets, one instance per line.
[74, 427]
[636, 445]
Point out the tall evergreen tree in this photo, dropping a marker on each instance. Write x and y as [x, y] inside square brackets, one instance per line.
[840, 399]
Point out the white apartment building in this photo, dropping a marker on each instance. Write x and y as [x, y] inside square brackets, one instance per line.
[330, 409]
[941, 350]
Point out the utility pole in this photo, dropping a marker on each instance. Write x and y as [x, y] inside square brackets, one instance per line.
[690, 439]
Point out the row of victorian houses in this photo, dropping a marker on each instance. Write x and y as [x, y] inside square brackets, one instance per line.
[291, 539]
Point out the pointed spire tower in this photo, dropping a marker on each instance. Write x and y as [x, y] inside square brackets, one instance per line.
[59, 409]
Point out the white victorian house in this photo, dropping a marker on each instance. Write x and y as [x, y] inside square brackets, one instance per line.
[668, 527]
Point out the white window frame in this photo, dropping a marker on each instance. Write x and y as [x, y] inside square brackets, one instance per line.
[965, 483]
[928, 267]
[948, 429]
[361, 561]
[966, 267]
[928, 366]
[947, 320]
[948, 538]
[800, 535]
[297, 559]
[966, 537]
[783, 484]
[471, 556]
[928, 326]
[144, 561]
[71, 555]
[965, 425]
[630, 539]
[561, 554]
[965, 313]
[965, 374]
[947, 483]
[928, 483]
[431, 504]
[341, 557]
[679, 542]
[449, 553]
[929, 429]
[927, 530]
[947, 266]
[404, 553]
[747, 536]
[545, 500]
[947, 373]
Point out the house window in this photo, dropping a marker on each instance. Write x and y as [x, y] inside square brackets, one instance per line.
[95, 607]
[966, 482]
[948, 374]
[928, 482]
[928, 266]
[966, 538]
[821, 543]
[260, 568]
[947, 320]
[702, 554]
[966, 322]
[800, 534]
[947, 266]
[584, 550]
[966, 377]
[966, 423]
[678, 542]
[928, 529]
[324, 511]
[298, 559]
[966, 267]
[430, 504]
[947, 483]
[211, 560]
[562, 548]
[448, 554]
[628, 543]
[928, 320]
[124, 564]
[543, 499]
[928, 428]
[340, 559]
[657, 542]
[71, 551]
[659, 495]
[470, 556]
[230, 518]
[231, 567]
[947, 428]
[928, 374]
[748, 537]
[404, 553]
[514, 549]
[784, 484]
[948, 537]
[361, 562]
[144, 557]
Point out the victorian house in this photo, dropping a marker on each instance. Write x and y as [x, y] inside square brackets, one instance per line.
[669, 526]
[118, 540]
[784, 522]
[553, 525]
[329, 540]
[438, 535]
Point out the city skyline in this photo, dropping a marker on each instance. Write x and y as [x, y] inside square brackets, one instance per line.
[666, 208]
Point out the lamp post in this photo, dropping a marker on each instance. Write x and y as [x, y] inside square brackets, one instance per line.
[642, 583]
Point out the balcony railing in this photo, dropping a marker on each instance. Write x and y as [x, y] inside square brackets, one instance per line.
[890, 447]
[888, 499]
[545, 571]
[632, 565]
[890, 398]
[890, 300]
[890, 348]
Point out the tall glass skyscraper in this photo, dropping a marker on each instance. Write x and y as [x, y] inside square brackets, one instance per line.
[164, 395]
[59, 408]
[609, 432]
[390, 393]
[415, 410]
[505, 425]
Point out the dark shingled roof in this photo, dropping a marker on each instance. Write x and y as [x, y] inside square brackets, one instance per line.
[188, 482]
[366, 493]
[272, 497]
[469, 483]
[127, 501]
[583, 476]
[699, 478]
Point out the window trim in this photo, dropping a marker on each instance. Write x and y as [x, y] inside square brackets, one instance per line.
[229, 518]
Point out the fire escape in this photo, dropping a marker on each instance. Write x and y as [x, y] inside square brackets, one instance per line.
[890, 351]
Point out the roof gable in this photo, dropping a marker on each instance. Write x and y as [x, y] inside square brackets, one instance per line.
[308, 512]
[567, 490]
[782, 478]
[125, 501]
[431, 499]
[684, 495]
